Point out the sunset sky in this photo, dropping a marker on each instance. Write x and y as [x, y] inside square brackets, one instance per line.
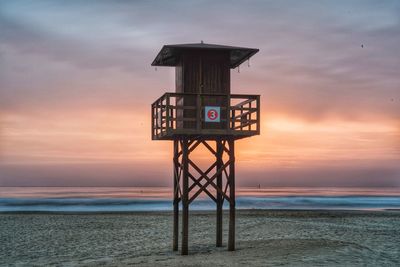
[76, 87]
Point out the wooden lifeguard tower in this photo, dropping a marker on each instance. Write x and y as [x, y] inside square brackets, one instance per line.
[203, 112]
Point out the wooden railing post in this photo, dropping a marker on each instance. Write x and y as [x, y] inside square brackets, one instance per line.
[167, 118]
[241, 117]
[250, 112]
[160, 115]
[258, 114]
[228, 111]
[156, 110]
[152, 122]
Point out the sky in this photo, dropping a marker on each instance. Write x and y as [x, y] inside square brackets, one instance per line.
[76, 87]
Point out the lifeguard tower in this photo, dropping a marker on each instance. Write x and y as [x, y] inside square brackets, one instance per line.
[203, 112]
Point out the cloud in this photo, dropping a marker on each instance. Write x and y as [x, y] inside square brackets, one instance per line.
[318, 61]
[309, 49]
[25, 38]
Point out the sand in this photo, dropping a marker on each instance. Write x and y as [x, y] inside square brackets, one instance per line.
[264, 238]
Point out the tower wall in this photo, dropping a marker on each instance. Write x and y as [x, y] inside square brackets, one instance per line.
[203, 72]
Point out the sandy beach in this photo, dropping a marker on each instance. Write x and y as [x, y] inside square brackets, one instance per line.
[264, 238]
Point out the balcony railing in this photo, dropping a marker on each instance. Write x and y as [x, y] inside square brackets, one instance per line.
[179, 114]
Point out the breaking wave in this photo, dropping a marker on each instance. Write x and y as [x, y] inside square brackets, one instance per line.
[137, 204]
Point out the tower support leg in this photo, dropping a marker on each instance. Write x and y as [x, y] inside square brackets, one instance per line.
[176, 197]
[224, 167]
[219, 150]
[231, 237]
[185, 197]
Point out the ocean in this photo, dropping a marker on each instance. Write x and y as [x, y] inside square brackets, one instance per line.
[130, 199]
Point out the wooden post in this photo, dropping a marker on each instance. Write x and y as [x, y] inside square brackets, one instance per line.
[258, 114]
[152, 122]
[231, 238]
[167, 118]
[228, 115]
[198, 112]
[176, 197]
[185, 196]
[219, 201]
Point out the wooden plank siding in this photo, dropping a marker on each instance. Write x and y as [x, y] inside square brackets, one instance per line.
[203, 72]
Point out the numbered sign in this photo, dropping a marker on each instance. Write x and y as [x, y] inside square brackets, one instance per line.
[212, 114]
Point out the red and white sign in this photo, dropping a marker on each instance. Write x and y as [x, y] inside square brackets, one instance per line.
[212, 114]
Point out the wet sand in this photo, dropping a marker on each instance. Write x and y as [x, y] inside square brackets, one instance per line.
[264, 238]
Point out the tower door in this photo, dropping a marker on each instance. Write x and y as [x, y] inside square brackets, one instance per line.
[215, 82]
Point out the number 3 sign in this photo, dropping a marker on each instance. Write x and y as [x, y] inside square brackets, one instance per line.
[212, 114]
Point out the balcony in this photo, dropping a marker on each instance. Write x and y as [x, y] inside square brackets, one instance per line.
[176, 115]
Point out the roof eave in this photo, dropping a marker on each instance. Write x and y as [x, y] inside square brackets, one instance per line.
[250, 54]
[158, 62]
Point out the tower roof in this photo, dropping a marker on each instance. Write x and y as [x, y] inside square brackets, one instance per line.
[169, 54]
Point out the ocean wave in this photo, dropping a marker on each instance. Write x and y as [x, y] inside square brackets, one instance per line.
[135, 204]
[77, 201]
